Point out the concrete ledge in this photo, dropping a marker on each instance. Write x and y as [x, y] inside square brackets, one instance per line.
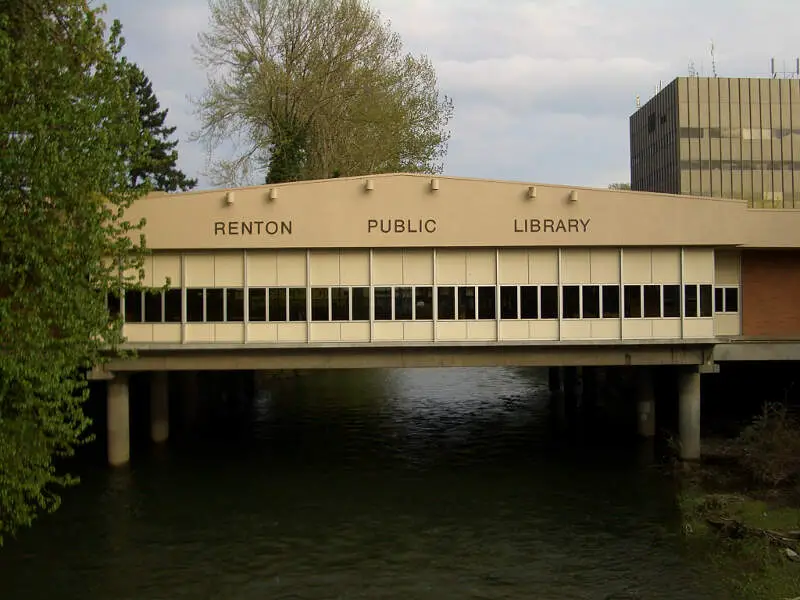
[371, 357]
[757, 351]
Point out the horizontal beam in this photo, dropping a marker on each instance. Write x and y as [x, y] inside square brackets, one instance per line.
[761, 351]
[369, 357]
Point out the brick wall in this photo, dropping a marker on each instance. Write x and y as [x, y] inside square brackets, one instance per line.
[771, 293]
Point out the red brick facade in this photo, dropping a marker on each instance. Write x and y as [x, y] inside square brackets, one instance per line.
[771, 293]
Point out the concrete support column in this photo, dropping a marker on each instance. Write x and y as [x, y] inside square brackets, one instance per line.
[689, 414]
[118, 423]
[554, 379]
[645, 404]
[159, 406]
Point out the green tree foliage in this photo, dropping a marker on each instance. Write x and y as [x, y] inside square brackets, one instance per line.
[69, 131]
[309, 89]
[619, 186]
[159, 165]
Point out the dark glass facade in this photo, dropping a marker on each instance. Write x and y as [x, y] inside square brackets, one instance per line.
[722, 137]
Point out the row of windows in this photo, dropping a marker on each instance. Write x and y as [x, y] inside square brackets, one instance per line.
[745, 133]
[741, 165]
[407, 303]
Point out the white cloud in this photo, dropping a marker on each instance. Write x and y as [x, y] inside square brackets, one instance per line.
[543, 88]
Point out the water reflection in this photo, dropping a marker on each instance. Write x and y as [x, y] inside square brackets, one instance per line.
[381, 484]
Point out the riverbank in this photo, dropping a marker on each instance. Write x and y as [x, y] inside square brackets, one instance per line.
[741, 509]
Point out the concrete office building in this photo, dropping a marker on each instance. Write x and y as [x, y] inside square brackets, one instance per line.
[723, 137]
[410, 270]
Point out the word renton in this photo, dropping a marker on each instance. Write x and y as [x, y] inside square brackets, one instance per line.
[253, 228]
[551, 225]
[401, 226]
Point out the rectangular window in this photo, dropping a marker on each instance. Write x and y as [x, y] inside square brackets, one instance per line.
[529, 302]
[340, 304]
[611, 302]
[719, 300]
[153, 308]
[706, 307]
[652, 302]
[257, 304]
[466, 302]
[234, 305]
[572, 302]
[549, 306]
[173, 301]
[403, 303]
[113, 303]
[633, 302]
[508, 302]
[690, 300]
[319, 305]
[672, 301]
[731, 299]
[361, 304]
[277, 304]
[194, 305]
[383, 304]
[423, 303]
[133, 306]
[487, 302]
[591, 301]
[446, 300]
[297, 304]
[215, 305]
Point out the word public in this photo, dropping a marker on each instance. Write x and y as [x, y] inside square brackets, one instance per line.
[401, 226]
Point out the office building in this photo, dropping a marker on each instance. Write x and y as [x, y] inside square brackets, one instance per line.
[722, 137]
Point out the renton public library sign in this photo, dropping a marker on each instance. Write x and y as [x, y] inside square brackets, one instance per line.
[397, 226]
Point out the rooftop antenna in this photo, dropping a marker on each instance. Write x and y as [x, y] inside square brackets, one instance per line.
[713, 61]
[692, 69]
[638, 101]
[772, 67]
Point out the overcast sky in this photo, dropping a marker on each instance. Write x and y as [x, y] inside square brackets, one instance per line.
[542, 88]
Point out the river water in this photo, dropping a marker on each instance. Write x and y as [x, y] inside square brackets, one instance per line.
[398, 484]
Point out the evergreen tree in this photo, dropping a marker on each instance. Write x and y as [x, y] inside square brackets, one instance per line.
[159, 167]
[69, 131]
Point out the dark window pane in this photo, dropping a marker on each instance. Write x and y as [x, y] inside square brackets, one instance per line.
[706, 308]
[690, 300]
[731, 299]
[234, 308]
[133, 306]
[194, 305]
[719, 298]
[591, 302]
[446, 300]
[319, 305]
[423, 303]
[466, 302]
[403, 303]
[572, 302]
[652, 302]
[672, 301]
[529, 302]
[277, 304]
[361, 304]
[113, 303]
[383, 304]
[611, 302]
[340, 304]
[508, 302]
[215, 306]
[549, 308]
[297, 304]
[257, 304]
[633, 301]
[173, 301]
[487, 302]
